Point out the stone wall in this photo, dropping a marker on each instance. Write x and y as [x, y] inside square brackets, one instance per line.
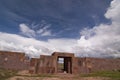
[43, 65]
[102, 64]
[46, 64]
[49, 64]
[86, 65]
[80, 65]
[34, 65]
[13, 60]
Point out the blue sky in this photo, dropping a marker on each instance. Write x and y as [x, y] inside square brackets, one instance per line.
[83, 27]
[65, 17]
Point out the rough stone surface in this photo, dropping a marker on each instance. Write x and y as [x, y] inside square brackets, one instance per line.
[49, 64]
[74, 65]
[13, 60]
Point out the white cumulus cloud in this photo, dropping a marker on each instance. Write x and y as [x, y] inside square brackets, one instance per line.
[113, 12]
[32, 47]
[104, 39]
[32, 33]
[25, 30]
[44, 31]
[100, 41]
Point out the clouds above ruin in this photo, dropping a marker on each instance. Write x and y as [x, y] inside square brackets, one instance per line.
[100, 41]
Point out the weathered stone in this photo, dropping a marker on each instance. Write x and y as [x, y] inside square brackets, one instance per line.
[74, 65]
[13, 60]
[49, 64]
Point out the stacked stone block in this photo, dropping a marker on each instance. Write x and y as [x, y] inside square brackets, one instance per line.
[13, 60]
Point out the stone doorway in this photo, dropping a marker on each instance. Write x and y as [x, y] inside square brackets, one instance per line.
[64, 64]
[67, 62]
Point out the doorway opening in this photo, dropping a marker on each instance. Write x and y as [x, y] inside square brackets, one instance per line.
[60, 65]
[64, 65]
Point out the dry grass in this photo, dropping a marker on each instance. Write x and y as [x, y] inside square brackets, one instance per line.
[23, 75]
[4, 74]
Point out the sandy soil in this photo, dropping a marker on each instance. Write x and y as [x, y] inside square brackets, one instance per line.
[58, 77]
[47, 78]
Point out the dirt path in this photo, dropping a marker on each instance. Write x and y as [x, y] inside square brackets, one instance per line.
[48, 78]
[58, 77]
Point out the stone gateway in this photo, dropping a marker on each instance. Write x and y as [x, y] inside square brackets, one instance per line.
[71, 64]
[58, 62]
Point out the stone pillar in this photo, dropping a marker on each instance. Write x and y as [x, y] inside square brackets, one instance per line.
[69, 66]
